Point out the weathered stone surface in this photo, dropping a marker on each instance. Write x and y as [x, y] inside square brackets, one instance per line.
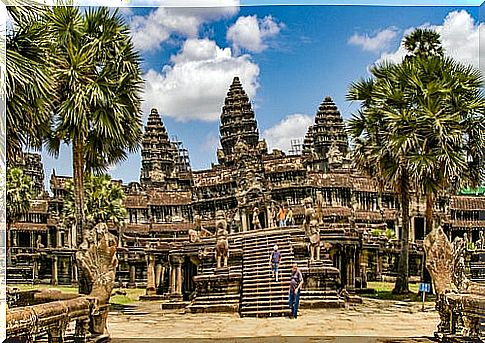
[439, 260]
[460, 302]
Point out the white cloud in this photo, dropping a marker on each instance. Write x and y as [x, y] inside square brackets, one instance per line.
[150, 31]
[211, 142]
[194, 86]
[251, 33]
[459, 37]
[378, 43]
[293, 126]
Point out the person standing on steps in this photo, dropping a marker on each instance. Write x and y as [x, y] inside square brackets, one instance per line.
[289, 217]
[282, 217]
[274, 261]
[295, 287]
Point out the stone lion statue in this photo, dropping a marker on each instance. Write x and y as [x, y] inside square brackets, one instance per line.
[222, 244]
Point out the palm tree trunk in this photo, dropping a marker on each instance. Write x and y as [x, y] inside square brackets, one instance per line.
[426, 276]
[429, 212]
[401, 286]
[78, 171]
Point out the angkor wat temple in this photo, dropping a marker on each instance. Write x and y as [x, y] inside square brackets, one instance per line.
[359, 226]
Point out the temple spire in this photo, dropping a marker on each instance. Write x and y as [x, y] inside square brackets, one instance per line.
[328, 130]
[158, 153]
[238, 124]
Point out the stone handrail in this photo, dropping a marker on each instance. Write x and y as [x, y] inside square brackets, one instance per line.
[28, 322]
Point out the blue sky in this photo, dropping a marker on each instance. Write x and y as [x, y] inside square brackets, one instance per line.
[288, 57]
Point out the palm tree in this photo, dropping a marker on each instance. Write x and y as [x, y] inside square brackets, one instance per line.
[20, 190]
[451, 106]
[103, 201]
[29, 82]
[385, 134]
[449, 97]
[98, 86]
[423, 43]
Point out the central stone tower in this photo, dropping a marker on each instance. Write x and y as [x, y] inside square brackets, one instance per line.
[238, 124]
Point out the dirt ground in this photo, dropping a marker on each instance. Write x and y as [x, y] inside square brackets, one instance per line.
[357, 323]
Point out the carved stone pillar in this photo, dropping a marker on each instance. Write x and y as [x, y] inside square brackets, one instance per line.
[58, 238]
[132, 276]
[244, 221]
[15, 235]
[74, 279]
[411, 229]
[172, 280]
[178, 287]
[54, 280]
[150, 289]
[35, 268]
[268, 215]
[73, 236]
[158, 275]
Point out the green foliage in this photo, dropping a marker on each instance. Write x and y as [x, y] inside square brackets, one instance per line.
[29, 83]
[423, 43]
[20, 190]
[421, 124]
[98, 82]
[376, 232]
[390, 234]
[103, 200]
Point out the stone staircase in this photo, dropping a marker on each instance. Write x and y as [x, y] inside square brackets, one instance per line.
[221, 290]
[261, 295]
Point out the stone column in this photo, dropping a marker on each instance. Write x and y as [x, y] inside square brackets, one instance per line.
[172, 280]
[15, 235]
[411, 229]
[48, 245]
[54, 280]
[178, 287]
[73, 236]
[74, 280]
[244, 221]
[132, 276]
[58, 238]
[150, 289]
[35, 268]
[268, 214]
[158, 275]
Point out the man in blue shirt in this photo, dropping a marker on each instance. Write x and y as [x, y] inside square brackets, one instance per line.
[274, 261]
[295, 287]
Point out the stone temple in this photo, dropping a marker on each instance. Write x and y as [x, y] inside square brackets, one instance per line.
[238, 200]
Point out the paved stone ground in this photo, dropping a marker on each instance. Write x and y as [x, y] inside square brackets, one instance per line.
[358, 323]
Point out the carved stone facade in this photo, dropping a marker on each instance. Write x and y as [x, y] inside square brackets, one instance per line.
[171, 201]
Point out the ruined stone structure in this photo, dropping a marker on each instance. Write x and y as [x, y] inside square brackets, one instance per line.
[459, 300]
[347, 233]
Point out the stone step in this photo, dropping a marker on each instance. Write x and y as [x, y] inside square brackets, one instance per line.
[266, 281]
[214, 308]
[265, 257]
[266, 313]
[270, 299]
[265, 307]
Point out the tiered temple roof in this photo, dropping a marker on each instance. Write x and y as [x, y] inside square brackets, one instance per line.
[328, 130]
[161, 161]
[237, 123]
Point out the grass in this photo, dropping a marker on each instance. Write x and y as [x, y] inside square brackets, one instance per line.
[130, 297]
[384, 292]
